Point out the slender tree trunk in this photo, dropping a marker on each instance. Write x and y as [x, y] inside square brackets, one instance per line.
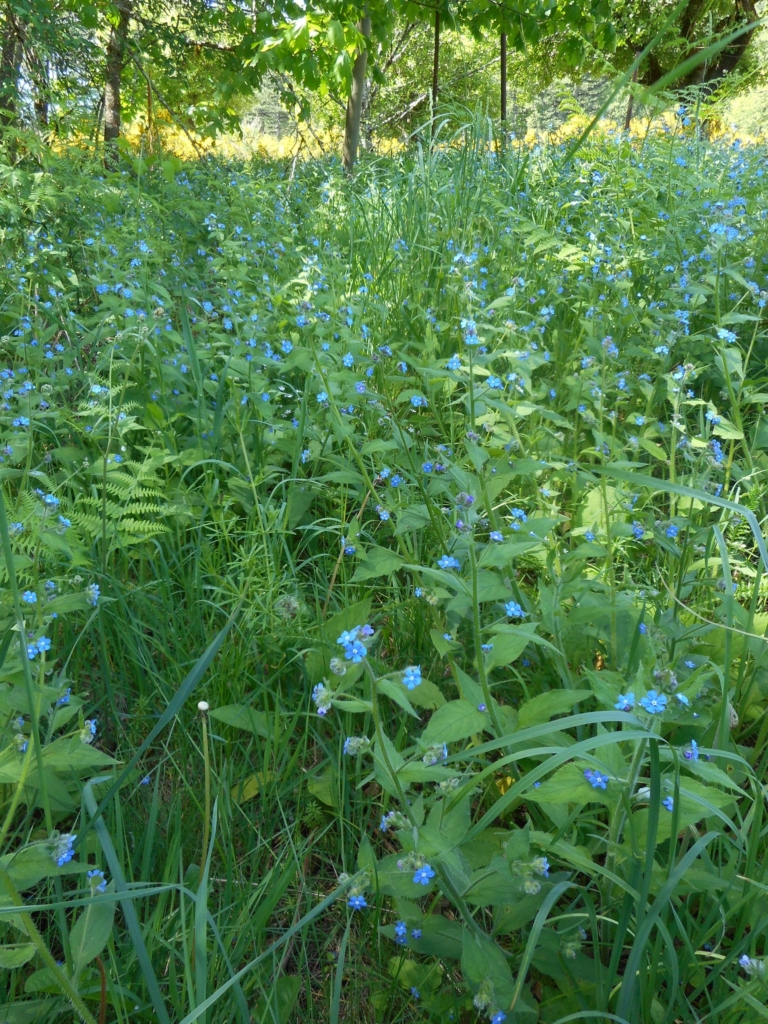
[355, 101]
[118, 39]
[631, 103]
[503, 76]
[436, 62]
[10, 67]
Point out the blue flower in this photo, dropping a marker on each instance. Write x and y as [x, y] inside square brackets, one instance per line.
[692, 754]
[97, 880]
[322, 396]
[416, 933]
[412, 677]
[423, 875]
[682, 699]
[448, 562]
[514, 611]
[418, 402]
[672, 530]
[357, 902]
[29, 596]
[401, 931]
[454, 363]
[355, 652]
[92, 594]
[596, 779]
[43, 644]
[668, 802]
[499, 1017]
[637, 530]
[625, 702]
[427, 467]
[62, 850]
[322, 697]
[654, 703]
[348, 360]
[643, 628]
[496, 536]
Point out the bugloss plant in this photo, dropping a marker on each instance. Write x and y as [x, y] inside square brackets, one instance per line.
[460, 463]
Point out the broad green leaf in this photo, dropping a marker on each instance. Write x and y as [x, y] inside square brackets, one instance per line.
[481, 958]
[242, 717]
[377, 562]
[395, 690]
[569, 786]
[278, 1006]
[456, 720]
[544, 707]
[325, 788]
[15, 956]
[91, 932]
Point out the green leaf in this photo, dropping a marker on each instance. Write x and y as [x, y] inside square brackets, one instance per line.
[481, 958]
[569, 786]
[15, 956]
[456, 720]
[506, 649]
[278, 1006]
[544, 707]
[377, 562]
[325, 788]
[241, 717]
[398, 693]
[91, 932]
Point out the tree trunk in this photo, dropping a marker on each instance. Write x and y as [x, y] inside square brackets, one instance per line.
[631, 101]
[118, 38]
[503, 76]
[10, 67]
[436, 62]
[355, 101]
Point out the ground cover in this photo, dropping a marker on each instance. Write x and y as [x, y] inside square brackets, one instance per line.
[442, 489]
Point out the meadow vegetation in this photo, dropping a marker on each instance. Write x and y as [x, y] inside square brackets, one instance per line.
[383, 592]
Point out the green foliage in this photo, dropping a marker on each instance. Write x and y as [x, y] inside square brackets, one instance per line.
[506, 410]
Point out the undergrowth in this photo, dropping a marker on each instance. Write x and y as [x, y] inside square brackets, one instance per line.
[383, 600]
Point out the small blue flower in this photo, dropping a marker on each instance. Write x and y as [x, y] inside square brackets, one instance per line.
[513, 610]
[92, 594]
[357, 902]
[643, 628]
[401, 930]
[62, 848]
[672, 530]
[668, 802]
[418, 402]
[423, 875]
[682, 699]
[322, 396]
[416, 933]
[692, 754]
[412, 677]
[589, 535]
[355, 652]
[625, 702]
[348, 360]
[654, 703]
[596, 779]
[97, 880]
[448, 562]
[29, 596]
[496, 536]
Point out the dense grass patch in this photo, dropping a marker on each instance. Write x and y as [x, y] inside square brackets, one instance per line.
[444, 488]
